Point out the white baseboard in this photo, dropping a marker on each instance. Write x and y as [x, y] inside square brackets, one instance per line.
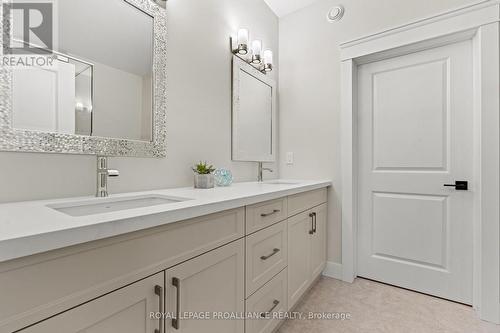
[333, 270]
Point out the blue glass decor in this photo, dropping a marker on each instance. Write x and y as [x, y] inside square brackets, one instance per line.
[223, 177]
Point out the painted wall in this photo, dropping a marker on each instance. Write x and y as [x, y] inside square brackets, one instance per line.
[118, 103]
[199, 110]
[310, 85]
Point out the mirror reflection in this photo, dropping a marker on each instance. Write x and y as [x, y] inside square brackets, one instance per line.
[254, 114]
[254, 126]
[101, 81]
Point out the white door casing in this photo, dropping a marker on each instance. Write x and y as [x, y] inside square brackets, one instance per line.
[478, 23]
[415, 135]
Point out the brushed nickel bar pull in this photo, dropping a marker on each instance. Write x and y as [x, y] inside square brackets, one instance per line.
[269, 214]
[311, 232]
[275, 304]
[159, 293]
[176, 322]
[315, 228]
[275, 251]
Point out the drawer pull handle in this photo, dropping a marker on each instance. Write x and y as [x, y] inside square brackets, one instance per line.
[159, 293]
[275, 304]
[315, 218]
[312, 231]
[276, 211]
[177, 320]
[275, 251]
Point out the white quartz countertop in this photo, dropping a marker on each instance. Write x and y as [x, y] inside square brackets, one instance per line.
[32, 227]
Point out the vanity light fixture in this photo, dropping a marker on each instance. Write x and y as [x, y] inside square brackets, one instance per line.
[243, 39]
[252, 51]
[268, 61]
[257, 52]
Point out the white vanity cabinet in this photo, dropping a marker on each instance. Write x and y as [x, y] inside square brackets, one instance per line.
[257, 258]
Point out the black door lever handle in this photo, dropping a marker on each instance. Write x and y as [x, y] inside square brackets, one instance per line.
[459, 185]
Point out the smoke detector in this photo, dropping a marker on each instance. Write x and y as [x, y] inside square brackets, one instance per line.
[335, 14]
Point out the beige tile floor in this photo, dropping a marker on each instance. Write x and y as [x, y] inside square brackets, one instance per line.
[376, 307]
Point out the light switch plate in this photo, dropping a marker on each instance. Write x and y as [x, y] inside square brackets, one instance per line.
[289, 158]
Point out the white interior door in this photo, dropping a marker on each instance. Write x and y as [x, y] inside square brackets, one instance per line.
[415, 135]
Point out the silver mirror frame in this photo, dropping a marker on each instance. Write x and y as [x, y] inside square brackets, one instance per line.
[241, 65]
[15, 140]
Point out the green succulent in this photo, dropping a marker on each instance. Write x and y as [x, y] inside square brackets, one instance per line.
[203, 168]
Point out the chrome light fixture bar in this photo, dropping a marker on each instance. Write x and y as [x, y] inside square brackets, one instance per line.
[252, 52]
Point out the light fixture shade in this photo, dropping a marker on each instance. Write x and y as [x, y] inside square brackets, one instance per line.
[243, 39]
[256, 51]
[268, 57]
[268, 61]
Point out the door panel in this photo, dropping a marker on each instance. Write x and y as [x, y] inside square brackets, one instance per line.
[126, 310]
[407, 100]
[415, 135]
[213, 282]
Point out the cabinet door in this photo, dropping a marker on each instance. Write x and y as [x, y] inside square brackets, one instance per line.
[299, 247]
[126, 310]
[318, 241]
[213, 283]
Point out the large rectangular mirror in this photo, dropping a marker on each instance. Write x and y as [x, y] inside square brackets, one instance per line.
[254, 114]
[101, 89]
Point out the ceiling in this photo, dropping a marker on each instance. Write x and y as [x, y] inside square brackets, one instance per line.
[285, 7]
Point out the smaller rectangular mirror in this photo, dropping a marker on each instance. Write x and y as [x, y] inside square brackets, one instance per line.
[254, 114]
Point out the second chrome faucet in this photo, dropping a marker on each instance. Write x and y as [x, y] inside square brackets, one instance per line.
[261, 172]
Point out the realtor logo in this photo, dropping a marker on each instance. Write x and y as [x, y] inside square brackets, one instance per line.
[28, 28]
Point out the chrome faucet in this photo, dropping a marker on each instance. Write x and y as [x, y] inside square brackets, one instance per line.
[102, 176]
[261, 171]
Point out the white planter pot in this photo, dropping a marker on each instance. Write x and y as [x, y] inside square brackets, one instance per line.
[204, 181]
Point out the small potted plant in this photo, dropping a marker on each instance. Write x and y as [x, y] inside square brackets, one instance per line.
[203, 176]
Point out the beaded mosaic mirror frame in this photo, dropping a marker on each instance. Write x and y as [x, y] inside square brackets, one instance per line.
[18, 140]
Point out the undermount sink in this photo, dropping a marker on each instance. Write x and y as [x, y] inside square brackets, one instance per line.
[282, 182]
[101, 206]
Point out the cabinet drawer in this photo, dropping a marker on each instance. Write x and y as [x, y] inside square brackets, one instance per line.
[262, 215]
[266, 255]
[301, 202]
[58, 280]
[270, 301]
